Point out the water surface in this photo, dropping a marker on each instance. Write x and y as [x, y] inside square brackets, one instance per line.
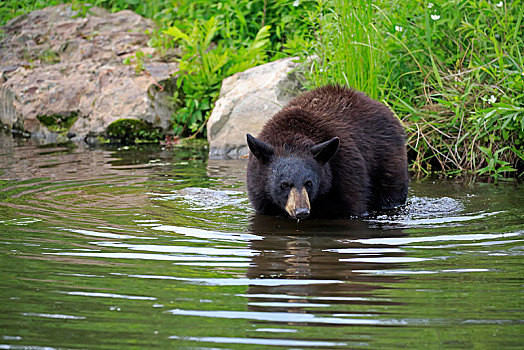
[137, 247]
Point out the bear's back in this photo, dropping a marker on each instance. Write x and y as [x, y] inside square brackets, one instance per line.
[321, 114]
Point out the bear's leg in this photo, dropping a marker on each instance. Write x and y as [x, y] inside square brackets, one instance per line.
[355, 193]
[390, 184]
[352, 185]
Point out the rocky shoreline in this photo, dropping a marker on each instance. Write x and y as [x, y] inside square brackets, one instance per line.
[67, 77]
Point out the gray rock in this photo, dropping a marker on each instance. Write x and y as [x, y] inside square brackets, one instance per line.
[247, 100]
[56, 63]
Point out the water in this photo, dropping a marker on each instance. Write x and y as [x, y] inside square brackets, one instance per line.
[145, 247]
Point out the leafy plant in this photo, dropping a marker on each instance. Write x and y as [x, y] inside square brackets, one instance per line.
[13, 8]
[137, 61]
[230, 36]
[203, 66]
[495, 167]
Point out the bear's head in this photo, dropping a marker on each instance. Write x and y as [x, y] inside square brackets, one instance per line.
[295, 178]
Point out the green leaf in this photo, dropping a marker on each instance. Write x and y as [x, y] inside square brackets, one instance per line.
[506, 168]
[176, 33]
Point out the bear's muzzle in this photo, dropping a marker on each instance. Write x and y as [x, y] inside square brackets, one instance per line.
[298, 206]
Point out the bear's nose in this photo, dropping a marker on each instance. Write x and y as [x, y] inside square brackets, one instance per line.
[302, 213]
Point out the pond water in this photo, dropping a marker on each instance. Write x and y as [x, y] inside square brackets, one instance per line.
[149, 247]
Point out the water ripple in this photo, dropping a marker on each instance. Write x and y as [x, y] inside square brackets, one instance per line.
[181, 249]
[58, 316]
[242, 281]
[144, 256]
[438, 238]
[287, 317]
[260, 341]
[110, 295]
[200, 233]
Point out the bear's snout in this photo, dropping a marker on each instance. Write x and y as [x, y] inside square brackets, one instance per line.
[301, 213]
[298, 206]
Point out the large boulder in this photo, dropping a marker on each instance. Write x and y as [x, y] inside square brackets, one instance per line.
[246, 101]
[63, 75]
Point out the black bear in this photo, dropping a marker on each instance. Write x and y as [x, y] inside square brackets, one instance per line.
[330, 152]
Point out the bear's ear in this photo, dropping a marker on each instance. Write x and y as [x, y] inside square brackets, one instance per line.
[324, 151]
[261, 150]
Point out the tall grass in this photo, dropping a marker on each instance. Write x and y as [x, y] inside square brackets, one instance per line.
[452, 71]
[344, 38]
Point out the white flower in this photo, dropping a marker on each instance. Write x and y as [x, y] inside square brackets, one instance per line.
[435, 17]
[492, 99]
[399, 28]
[296, 3]
[500, 4]
[430, 5]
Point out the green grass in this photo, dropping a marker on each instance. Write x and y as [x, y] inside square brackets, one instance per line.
[343, 37]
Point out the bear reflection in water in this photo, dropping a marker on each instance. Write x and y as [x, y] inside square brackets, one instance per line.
[319, 262]
[331, 152]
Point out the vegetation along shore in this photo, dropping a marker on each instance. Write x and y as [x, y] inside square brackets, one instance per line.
[453, 72]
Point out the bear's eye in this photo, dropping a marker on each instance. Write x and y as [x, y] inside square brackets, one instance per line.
[285, 185]
[308, 183]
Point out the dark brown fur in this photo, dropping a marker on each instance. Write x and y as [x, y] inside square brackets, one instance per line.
[369, 170]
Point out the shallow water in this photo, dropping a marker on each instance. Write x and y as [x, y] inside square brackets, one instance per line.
[145, 247]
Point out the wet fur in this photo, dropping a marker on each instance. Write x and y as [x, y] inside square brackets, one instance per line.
[369, 170]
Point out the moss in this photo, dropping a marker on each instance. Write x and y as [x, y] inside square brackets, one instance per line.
[57, 122]
[49, 56]
[101, 140]
[128, 131]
